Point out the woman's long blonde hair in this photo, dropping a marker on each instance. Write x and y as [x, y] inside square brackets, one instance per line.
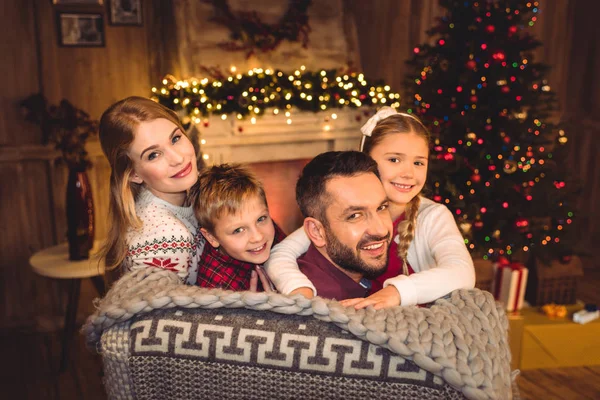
[400, 124]
[117, 129]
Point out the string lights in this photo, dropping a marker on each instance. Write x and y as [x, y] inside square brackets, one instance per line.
[261, 91]
[489, 107]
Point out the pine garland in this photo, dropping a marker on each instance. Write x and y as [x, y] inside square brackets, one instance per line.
[259, 90]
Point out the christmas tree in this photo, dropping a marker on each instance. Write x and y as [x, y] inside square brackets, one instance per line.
[495, 157]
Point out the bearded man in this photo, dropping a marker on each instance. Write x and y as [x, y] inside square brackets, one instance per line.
[347, 220]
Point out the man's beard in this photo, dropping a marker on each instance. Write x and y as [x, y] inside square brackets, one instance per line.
[349, 260]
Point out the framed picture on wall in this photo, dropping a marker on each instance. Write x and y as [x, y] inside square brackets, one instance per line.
[125, 12]
[80, 29]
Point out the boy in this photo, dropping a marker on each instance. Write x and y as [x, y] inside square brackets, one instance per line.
[231, 208]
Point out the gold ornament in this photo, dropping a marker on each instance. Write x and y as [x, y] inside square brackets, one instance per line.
[510, 166]
[465, 227]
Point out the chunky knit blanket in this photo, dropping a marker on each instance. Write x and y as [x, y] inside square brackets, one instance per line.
[461, 338]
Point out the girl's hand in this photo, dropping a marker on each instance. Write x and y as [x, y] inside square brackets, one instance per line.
[257, 274]
[304, 291]
[386, 297]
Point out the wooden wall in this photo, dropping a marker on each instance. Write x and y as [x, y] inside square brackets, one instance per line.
[32, 208]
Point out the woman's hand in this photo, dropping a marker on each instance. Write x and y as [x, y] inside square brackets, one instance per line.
[304, 291]
[259, 273]
[386, 297]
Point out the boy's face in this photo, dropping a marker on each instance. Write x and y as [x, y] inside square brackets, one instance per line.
[247, 235]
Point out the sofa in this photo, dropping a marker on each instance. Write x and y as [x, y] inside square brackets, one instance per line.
[160, 339]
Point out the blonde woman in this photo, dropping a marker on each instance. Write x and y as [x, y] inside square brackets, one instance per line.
[153, 165]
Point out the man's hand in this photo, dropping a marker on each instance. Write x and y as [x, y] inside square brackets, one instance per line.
[304, 291]
[259, 273]
[386, 297]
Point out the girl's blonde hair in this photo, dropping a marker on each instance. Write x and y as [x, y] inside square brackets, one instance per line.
[400, 124]
[117, 131]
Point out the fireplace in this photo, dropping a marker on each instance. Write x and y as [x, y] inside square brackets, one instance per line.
[276, 151]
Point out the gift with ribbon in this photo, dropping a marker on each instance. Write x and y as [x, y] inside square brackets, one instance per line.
[510, 281]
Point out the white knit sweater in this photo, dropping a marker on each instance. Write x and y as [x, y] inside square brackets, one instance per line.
[437, 254]
[169, 238]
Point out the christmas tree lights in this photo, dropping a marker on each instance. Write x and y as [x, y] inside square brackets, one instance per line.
[488, 105]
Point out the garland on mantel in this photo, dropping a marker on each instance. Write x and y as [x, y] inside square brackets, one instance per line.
[265, 90]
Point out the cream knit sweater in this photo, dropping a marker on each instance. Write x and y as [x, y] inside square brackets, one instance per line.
[169, 238]
[437, 254]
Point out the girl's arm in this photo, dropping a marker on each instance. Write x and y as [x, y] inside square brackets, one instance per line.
[168, 245]
[452, 264]
[282, 266]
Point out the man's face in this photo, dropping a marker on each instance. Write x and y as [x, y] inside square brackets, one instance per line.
[358, 225]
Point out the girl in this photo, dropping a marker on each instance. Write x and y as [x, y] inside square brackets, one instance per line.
[428, 258]
[153, 165]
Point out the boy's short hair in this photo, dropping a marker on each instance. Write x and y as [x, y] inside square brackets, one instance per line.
[223, 189]
[311, 193]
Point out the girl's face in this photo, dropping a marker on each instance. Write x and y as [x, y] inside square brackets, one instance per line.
[163, 159]
[402, 162]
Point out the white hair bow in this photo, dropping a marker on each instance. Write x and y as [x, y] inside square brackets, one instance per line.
[368, 127]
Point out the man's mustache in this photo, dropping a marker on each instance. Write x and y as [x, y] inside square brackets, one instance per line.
[370, 239]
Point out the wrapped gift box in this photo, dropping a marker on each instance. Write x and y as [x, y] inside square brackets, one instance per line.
[538, 341]
[510, 282]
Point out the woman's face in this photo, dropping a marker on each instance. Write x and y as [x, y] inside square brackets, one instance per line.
[163, 159]
[402, 162]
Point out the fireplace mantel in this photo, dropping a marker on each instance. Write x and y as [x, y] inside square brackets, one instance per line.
[272, 138]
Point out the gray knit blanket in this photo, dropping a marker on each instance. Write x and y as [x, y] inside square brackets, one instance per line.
[461, 338]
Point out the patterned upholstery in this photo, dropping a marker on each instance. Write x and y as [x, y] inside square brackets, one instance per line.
[246, 354]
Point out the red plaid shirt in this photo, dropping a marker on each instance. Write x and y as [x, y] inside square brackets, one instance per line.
[218, 270]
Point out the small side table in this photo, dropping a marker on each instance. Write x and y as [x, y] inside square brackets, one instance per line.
[53, 262]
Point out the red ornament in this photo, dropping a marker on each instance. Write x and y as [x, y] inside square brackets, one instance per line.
[522, 224]
[358, 118]
[459, 89]
[505, 89]
[437, 198]
[473, 99]
[471, 64]
[478, 224]
[512, 30]
[206, 124]
[240, 129]
[490, 28]
[476, 178]
[498, 56]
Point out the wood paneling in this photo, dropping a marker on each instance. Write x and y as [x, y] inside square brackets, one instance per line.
[19, 70]
[31, 185]
[25, 209]
[94, 77]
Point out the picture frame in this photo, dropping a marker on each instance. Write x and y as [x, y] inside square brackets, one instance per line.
[78, 2]
[125, 12]
[77, 29]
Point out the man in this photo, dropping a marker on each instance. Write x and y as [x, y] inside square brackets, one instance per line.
[347, 221]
